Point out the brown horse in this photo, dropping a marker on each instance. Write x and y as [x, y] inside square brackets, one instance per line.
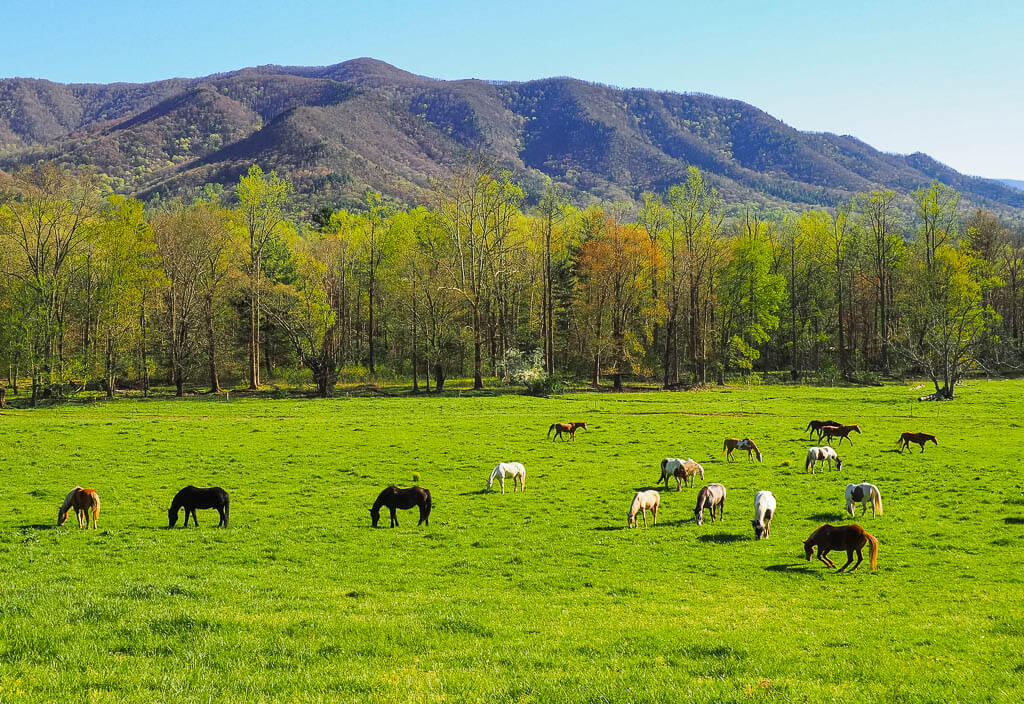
[919, 438]
[839, 431]
[570, 428]
[851, 538]
[711, 497]
[815, 426]
[394, 498]
[744, 444]
[85, 502]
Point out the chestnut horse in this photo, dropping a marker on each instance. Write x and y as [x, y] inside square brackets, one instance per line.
[570, 428]
[919, 438]
[394, 498]
[711, 497]
[839, 431]
[682, 471]
[643, 502]
[850, 538]
[744, 444]
[85, 502]
[815, 426]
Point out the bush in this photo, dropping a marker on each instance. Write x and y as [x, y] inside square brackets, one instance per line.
[527, 368]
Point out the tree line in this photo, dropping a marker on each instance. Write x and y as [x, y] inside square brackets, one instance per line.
[102, 291]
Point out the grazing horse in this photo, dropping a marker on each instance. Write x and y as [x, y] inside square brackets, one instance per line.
[744, 444]
[85, 502]
[509, 469]
[839, 431]
[570, 428]
[850, 538]
[711, 497]
[815, 426]
[394, 498]
[643, 502]
[919, 438]
[864, 493]
[682, 471]
[190, 498]
[822, 454]
[764, 510]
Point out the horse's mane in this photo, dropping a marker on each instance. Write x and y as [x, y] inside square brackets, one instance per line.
[813, 536]
[64, 507]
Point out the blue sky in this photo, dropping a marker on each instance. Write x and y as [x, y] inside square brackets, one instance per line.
[945, 78]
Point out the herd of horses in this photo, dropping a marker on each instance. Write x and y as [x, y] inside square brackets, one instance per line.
[711, 497]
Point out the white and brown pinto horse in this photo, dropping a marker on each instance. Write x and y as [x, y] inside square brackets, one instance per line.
[711, 497]
[822, 454]
[509, 469]
[643, 501]
[85, 502]
[744, 444]
[764, 510]
[682, 470]
[865, 494]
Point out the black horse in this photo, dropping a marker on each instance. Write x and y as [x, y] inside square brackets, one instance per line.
[393, 498]
[190, 498]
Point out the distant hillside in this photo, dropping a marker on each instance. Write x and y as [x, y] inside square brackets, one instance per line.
[1013, 183]
[337, 130]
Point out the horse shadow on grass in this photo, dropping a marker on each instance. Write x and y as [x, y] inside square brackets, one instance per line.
[826, 516]
[609, 528]
[1013, 521]
[723, 538]
[480, 492]
[790, 569]
[39, 526]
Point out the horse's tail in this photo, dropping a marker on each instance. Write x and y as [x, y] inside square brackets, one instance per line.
[809, 426]
[811, 456]
[876, 498]
[725, 446]
[551, 428]
[95, 508]
[663, 463]
[227, 509]
[873, 550]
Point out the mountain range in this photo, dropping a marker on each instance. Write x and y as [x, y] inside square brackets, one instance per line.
[338, 130]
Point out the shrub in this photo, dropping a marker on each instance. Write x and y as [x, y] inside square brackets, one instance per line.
[527, 368]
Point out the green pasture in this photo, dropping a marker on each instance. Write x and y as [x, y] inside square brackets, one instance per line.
[543, 596]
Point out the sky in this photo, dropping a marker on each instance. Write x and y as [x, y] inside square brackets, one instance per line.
[945, 78]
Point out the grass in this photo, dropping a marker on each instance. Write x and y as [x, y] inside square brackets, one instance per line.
[543, 596]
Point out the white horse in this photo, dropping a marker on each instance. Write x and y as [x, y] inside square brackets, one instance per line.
[864, 493]
[508, 469]
[644, 501]
[683, 471]
[822, 454]
[764, 510]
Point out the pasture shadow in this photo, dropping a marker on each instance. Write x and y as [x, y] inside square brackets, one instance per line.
[40, 526]
[478, 492]
[651, 488]
[827, 517]
[723, 538]
[790, 569]
[609, 528]
[897, 452]
[1013, 521]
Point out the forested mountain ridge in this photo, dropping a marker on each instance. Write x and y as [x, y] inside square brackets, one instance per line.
[338, 130]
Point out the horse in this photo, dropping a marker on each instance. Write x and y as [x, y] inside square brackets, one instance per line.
[85, 502]
[744, 444]
[394, 498]
[643, 502]
[850, 538]
[508, 469]
[815, 426]
[864, 493]
[190, 498]
[839, 431]
[711, 497]
[920, 438]
[822, 454]
[682, 471]
[764, 510]
[570, 428]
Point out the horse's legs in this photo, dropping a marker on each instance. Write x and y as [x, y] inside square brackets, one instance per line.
[823, 556]
[195, 517]
[679, 484]
[655, 512]
[859, 559]
[849, 559]
[394, 516]
[643, 512]
[503, 484]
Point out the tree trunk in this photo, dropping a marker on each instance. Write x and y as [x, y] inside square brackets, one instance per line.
[254, 350]
[109, 366]
[370, 324]
[438, 377]
[211, 346]
[478, 380]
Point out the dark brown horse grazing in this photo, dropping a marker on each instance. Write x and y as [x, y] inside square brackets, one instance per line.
[570, 428]
[839, 431]
[919, 438]
[851, 538]
[711, 497]
[190, 498]
[395, 498]
[815, 426]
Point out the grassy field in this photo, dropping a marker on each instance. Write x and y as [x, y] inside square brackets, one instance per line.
[543, 596]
